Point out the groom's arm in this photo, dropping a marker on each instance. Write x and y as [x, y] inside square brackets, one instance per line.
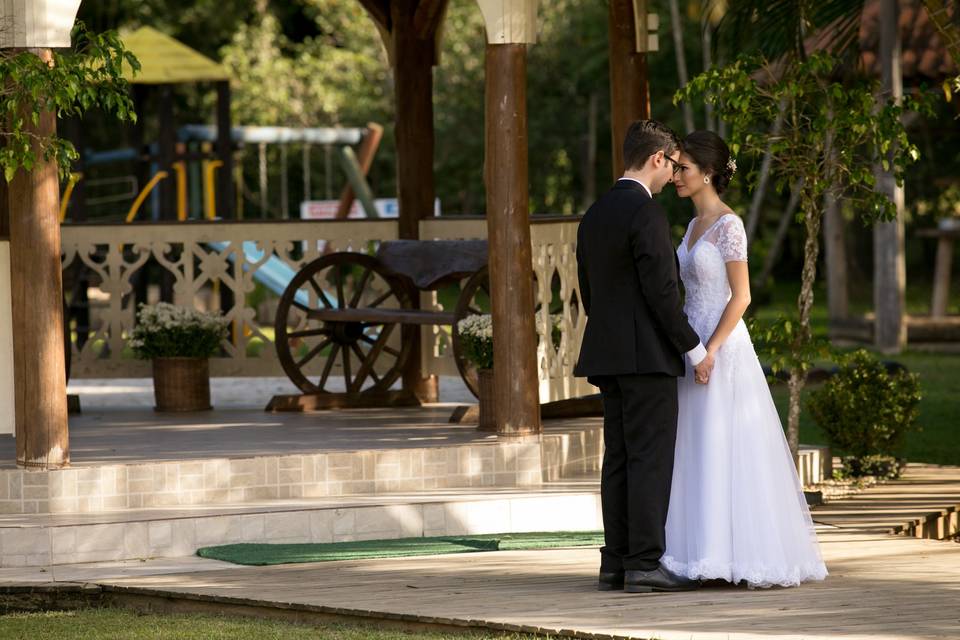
[655, 262]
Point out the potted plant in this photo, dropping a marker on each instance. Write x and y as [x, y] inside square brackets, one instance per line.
[476, 334]
[179, 341]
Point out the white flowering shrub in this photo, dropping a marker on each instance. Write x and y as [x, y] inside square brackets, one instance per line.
[168, 331]
[476, 334]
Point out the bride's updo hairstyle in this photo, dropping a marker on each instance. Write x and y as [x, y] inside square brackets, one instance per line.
[712, 155]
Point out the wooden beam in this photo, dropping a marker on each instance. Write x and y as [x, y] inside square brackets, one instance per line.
[428, 17]
[413, 95]
[379, 11]
[517, 406]
[629, 94]
[37, 309]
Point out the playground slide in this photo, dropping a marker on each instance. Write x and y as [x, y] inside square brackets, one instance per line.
[274, 274]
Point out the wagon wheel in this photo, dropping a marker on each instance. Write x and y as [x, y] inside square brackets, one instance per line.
[372, 353]
[474, 299]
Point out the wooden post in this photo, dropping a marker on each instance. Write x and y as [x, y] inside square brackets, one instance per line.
[37, 309]
[413, 29]
[629, 94]
[517, 405]
[889, 267]
[225, 195]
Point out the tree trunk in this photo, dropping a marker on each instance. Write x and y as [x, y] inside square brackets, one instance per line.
[677, 28]
[835, 254]
[753, 216]
[779, 237]
[889, 270]
[811, 249]
[590, 153]
[706, 35]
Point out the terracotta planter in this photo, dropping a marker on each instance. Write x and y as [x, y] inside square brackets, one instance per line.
[486, 421]
[181, 384]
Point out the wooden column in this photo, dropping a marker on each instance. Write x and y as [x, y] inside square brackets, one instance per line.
[37, 301]
[413, 26]
[629, 94]
[517, 405]
[889, 267]
[225, 195]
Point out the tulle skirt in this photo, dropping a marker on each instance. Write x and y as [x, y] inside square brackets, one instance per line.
[737, 510]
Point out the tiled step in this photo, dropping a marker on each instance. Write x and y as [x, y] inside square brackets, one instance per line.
[227, 481]
[40, 540]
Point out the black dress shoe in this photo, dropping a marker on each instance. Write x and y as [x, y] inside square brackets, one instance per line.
[660, 579]
[610, 581]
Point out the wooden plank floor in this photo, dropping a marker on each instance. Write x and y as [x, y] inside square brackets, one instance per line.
[923, 491]
[880, 585]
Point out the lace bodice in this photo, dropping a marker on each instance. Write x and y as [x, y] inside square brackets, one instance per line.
[704, 274]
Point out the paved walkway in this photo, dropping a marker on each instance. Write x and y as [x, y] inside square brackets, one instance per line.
[880, 585]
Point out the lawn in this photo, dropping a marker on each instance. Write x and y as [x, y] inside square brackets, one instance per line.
[103, 624]
[938, 440]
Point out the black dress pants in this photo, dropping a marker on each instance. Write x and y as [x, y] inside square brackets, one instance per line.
[639, 436]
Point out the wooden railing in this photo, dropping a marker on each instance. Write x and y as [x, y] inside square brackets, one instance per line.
[205, 263]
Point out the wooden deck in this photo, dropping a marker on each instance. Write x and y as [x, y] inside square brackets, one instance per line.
[880, 585]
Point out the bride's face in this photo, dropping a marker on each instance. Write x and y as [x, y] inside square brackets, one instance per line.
[689, 178]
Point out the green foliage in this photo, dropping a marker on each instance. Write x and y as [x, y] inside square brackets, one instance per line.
[834, 129]
[781, 345]
[878, 466]
[864, 410]
[167, 331]
[88, 76]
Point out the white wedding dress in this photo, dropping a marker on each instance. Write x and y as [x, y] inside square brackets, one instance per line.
[737, 510]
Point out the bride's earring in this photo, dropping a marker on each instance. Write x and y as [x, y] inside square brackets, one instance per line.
[706, 180]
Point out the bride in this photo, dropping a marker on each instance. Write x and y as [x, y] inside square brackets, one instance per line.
[737, 510]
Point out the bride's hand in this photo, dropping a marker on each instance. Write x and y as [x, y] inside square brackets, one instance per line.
[701, 372]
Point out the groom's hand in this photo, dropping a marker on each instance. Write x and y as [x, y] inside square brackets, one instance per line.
[701, 372]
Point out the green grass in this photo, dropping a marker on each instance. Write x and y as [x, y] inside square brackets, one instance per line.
[112, 624]
[938, 440]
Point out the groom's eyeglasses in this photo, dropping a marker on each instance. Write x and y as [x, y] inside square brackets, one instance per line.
[676, 165]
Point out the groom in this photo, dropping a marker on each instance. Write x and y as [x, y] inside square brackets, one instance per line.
[634, 346]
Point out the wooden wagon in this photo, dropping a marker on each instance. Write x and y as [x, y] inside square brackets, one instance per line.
[359, 309]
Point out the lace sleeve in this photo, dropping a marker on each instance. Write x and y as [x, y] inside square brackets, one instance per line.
[732, 240]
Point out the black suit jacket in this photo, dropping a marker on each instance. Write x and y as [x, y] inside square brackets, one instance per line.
[628, 273]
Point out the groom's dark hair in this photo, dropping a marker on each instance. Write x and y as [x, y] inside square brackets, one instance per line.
[644, 138]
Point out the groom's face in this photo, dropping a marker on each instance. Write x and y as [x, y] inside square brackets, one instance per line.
[663, 166]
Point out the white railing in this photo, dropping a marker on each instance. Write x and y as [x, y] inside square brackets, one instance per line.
[202, 258]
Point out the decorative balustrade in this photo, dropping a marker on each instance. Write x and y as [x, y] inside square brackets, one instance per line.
[206, 263]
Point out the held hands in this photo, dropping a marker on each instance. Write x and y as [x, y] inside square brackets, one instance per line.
[701, 372]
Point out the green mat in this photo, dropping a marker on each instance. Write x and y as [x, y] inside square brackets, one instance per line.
[267, 554]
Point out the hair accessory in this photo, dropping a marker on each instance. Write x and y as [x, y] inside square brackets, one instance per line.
[732, 166]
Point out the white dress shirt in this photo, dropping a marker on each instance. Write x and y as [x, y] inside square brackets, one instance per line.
[696, 355]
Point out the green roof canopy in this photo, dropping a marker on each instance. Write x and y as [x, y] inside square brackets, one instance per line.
[165, 60]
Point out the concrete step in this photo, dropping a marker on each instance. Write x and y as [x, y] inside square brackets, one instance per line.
[53, 539]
